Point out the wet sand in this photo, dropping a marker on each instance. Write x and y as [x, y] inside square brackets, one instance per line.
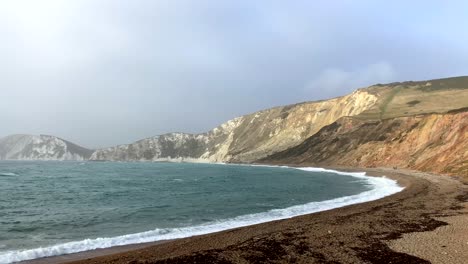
[358, 233]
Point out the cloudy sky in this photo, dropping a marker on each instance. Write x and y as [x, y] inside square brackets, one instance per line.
[105, 72]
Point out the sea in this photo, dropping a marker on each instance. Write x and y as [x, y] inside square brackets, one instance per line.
[50, 208]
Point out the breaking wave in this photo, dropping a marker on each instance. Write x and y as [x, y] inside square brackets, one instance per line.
[8, 174]
[382, 187]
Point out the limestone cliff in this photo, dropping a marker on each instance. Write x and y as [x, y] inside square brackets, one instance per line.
[43, 147]
[258, 135]
[430, 142]
[245, 138]
[367, 124]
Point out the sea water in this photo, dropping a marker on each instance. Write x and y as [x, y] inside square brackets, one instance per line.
[54, 208]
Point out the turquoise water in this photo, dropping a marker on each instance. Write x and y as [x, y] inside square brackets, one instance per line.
[43, 204]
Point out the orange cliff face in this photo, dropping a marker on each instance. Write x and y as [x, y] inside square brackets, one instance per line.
[432, 142]
[437, 144]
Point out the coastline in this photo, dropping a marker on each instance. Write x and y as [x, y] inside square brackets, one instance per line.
[350, 234]
[381, 187]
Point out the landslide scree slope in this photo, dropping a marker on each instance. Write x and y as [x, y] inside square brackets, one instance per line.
[430, 142]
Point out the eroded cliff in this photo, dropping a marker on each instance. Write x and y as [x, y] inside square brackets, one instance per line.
[245, 138]
[42, 147]
[382, 125]
[258, 135]
[430, 142]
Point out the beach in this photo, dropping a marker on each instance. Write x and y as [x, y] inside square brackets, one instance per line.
[373, 232]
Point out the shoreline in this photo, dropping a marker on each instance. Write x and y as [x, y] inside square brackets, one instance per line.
[201, 247]
[380, 188]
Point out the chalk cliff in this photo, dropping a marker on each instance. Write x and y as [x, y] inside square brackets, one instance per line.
[419, 125]
[42, 147]
[246, 138]
[255, 136]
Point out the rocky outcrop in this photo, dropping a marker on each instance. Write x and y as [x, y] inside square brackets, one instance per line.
[245, 138]
[431, 142]
[43, 147]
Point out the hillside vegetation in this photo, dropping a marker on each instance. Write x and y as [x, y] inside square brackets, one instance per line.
[414, 98]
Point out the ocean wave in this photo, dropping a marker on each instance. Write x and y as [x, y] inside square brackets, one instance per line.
[8, 174]
[382, 187]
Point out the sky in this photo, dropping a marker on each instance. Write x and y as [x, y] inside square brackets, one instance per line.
[107, 72]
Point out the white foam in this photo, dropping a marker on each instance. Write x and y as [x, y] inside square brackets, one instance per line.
[9, 174]
[381, 187]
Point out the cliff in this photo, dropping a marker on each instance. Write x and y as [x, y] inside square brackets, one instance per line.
[246, 138]
[431, 142]
[409, 124]
[43, 147]
[255, 136]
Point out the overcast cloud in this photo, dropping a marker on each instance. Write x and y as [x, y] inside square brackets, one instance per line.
[105, 72]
